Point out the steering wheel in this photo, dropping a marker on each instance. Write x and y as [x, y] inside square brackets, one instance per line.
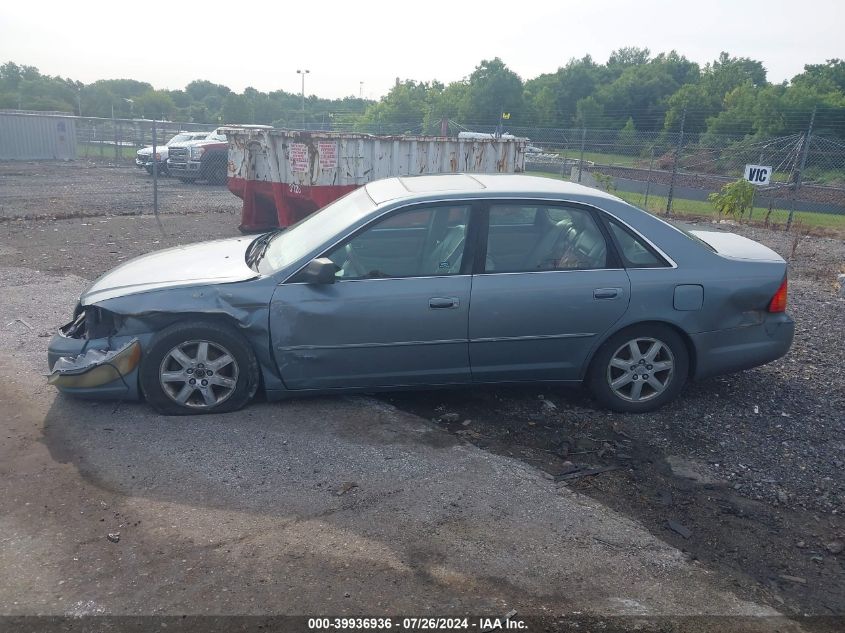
[355, 266]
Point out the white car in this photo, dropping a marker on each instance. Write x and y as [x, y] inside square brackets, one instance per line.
[144, 156]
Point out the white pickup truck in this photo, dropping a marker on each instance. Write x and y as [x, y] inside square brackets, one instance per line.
[144, 156]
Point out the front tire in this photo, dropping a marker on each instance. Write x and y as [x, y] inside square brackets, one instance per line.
[639, 369]
[200, 367]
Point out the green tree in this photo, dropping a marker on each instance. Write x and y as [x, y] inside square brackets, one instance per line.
[154, 104]
[237, 110]
[727, 73]
[734, 198]
[199, 89]
[627, 138]
[443, 102]
[589, 113]
[642, 91]
[98, 101]
[577, 80]
[45, 93]
[125, 88]
[492, 89]
[625, 57]
[11, 75]
[403, 108]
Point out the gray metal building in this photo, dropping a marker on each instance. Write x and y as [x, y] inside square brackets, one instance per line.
[37, 136]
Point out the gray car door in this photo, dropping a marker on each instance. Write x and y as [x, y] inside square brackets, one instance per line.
[550, 288]
[396, 315]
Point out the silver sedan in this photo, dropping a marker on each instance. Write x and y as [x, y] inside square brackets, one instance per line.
[432, 281]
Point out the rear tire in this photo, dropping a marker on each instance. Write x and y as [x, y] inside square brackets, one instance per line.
[639, 369]
[199, 367]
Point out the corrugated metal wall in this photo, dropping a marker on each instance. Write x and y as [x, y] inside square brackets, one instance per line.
[37, 137]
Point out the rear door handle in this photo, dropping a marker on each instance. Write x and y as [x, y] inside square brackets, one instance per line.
[440, 303]
[606, 293]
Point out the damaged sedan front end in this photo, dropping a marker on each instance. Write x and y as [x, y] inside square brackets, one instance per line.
[88, 358]
[110, 345]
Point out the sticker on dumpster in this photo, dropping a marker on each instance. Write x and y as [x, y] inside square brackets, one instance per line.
[328, 155]
[298, 157]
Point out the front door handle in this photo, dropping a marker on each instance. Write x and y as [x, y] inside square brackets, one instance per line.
[440, 303]
[606, 293]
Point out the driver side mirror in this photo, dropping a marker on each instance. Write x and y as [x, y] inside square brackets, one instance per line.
[318, 271]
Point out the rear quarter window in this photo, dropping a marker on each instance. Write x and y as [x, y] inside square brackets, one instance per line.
[635, 252]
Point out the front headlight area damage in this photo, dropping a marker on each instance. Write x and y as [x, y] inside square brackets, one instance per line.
[93, 356]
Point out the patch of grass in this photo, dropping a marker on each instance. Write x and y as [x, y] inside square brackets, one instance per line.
[606, 158]
[701, 209]
[104, 150]
[814, 174]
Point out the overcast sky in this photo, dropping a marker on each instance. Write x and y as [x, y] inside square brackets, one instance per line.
[342, 43]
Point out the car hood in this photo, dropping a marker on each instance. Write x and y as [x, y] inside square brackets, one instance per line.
[219, 261]
[148, 151]
[195, 142]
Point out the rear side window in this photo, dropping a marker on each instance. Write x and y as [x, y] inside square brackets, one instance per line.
[635, 252]
[530, 238]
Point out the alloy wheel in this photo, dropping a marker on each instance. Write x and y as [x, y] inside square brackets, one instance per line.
[198, 374]
[641, 369]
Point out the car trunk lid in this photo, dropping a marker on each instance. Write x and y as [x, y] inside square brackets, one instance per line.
[737, 247]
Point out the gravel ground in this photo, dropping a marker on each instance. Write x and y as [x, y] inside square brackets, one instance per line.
[82, 188]
[743, 472]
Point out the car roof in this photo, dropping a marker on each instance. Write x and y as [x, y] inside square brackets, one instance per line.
[478, 185]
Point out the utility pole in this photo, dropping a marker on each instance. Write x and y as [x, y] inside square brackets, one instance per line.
[501, 122]
[155, 173]
[303, 73]
[648, 179]
[675, 162]
[581, 162]
[114, 132]
[797, 184]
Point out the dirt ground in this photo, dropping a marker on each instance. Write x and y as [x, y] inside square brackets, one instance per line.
[87, 188]
[743, 473]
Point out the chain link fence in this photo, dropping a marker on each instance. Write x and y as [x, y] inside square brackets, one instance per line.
[120, 139]
[668, 173]
[675, 174]
[104, 167]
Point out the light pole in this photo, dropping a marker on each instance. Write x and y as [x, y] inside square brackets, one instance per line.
[303, 73]
[360, 89]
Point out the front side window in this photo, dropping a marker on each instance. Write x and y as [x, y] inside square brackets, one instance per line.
[419, 242]
[528, 238]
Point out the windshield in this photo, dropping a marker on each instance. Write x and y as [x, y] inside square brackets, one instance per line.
[309, 233]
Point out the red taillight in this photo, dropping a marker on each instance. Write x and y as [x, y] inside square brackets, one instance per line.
[778, 302]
